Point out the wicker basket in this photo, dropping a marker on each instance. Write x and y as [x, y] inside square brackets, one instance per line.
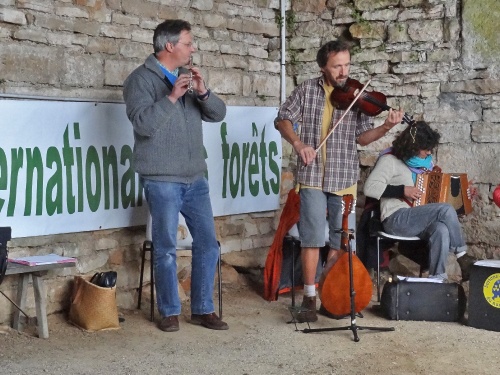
[93, 308]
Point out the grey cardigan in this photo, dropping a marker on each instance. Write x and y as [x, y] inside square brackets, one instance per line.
[389, 170]
[168, 137]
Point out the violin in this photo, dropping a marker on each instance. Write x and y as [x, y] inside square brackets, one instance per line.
[335, 288]
[371, 103]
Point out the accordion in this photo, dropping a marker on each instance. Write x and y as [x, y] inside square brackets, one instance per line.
[449, 188]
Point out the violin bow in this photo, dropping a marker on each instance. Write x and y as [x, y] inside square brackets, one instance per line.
[345, 113]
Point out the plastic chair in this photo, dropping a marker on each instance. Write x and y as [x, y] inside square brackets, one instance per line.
[183, 243]
[386, 236]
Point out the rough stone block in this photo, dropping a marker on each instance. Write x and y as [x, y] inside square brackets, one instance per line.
[143, 36]
[12, 16]
[115, 71]
[72, 12]
[202, 4]
[124, 19]
[258, 52]
[266, 85]
[114, 31]
[374, 4]
[453, 159]
[449, 110]
[33, 35]
[141, 8]
[485, 132]
[368, 30]
[36, 64]
[425, 31]
[102, 45]
[136, 50]
[46, 6]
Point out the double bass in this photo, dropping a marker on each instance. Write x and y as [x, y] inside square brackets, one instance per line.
[336, 286]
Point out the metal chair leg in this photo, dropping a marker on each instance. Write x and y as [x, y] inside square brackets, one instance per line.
[378, 269]
[219, 270]
[152, 284]
[147, 246]
[141, 276]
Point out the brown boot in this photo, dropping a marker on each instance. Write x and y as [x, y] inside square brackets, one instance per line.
[308, 310]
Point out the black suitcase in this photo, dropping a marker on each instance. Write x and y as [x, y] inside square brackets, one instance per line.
[410, 300]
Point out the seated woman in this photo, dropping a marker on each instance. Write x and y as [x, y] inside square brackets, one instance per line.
[392, 181]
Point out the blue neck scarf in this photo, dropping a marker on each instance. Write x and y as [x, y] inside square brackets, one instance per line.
[418, 165]
[171, 76]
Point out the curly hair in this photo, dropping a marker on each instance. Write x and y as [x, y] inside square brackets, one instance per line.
[416, 137]
[335, 46]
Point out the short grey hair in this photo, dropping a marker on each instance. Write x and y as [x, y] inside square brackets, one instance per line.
[169, 31]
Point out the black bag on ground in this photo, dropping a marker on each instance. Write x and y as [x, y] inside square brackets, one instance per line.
[409, 300]
[104, 279]
[5, 235]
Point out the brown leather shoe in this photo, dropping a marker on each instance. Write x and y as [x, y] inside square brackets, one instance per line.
[169, 323]
[308, 310]
[211, 321]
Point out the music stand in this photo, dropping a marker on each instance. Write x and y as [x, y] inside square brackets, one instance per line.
[353, 326]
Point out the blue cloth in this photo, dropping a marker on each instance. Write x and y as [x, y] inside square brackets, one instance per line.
[192, 200]
[171, 77]
[418, 165]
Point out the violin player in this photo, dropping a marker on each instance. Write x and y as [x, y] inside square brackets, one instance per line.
[327, 174]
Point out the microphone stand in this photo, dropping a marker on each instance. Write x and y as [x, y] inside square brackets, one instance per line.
[353, 326]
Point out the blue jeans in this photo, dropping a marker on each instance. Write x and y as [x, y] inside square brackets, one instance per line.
[436, 223]
[166, 200]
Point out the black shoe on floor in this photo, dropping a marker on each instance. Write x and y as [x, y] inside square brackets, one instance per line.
[307, 314]
[465, 262]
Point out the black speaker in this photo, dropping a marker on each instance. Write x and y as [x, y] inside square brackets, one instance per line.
[484, 295]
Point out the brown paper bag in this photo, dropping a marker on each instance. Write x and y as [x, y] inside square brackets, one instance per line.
[93, 308]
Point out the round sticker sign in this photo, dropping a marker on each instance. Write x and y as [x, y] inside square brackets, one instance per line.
[491, 290]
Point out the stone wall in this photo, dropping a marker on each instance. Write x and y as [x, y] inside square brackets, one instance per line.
[437, 59]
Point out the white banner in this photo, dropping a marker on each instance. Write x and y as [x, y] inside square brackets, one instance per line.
[66, 166]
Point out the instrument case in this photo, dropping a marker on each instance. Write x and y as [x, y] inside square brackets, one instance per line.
[416, 300]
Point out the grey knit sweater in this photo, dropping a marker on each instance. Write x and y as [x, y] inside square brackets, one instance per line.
[168, 138]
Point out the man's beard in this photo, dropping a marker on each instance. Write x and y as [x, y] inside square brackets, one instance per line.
[341, 81]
